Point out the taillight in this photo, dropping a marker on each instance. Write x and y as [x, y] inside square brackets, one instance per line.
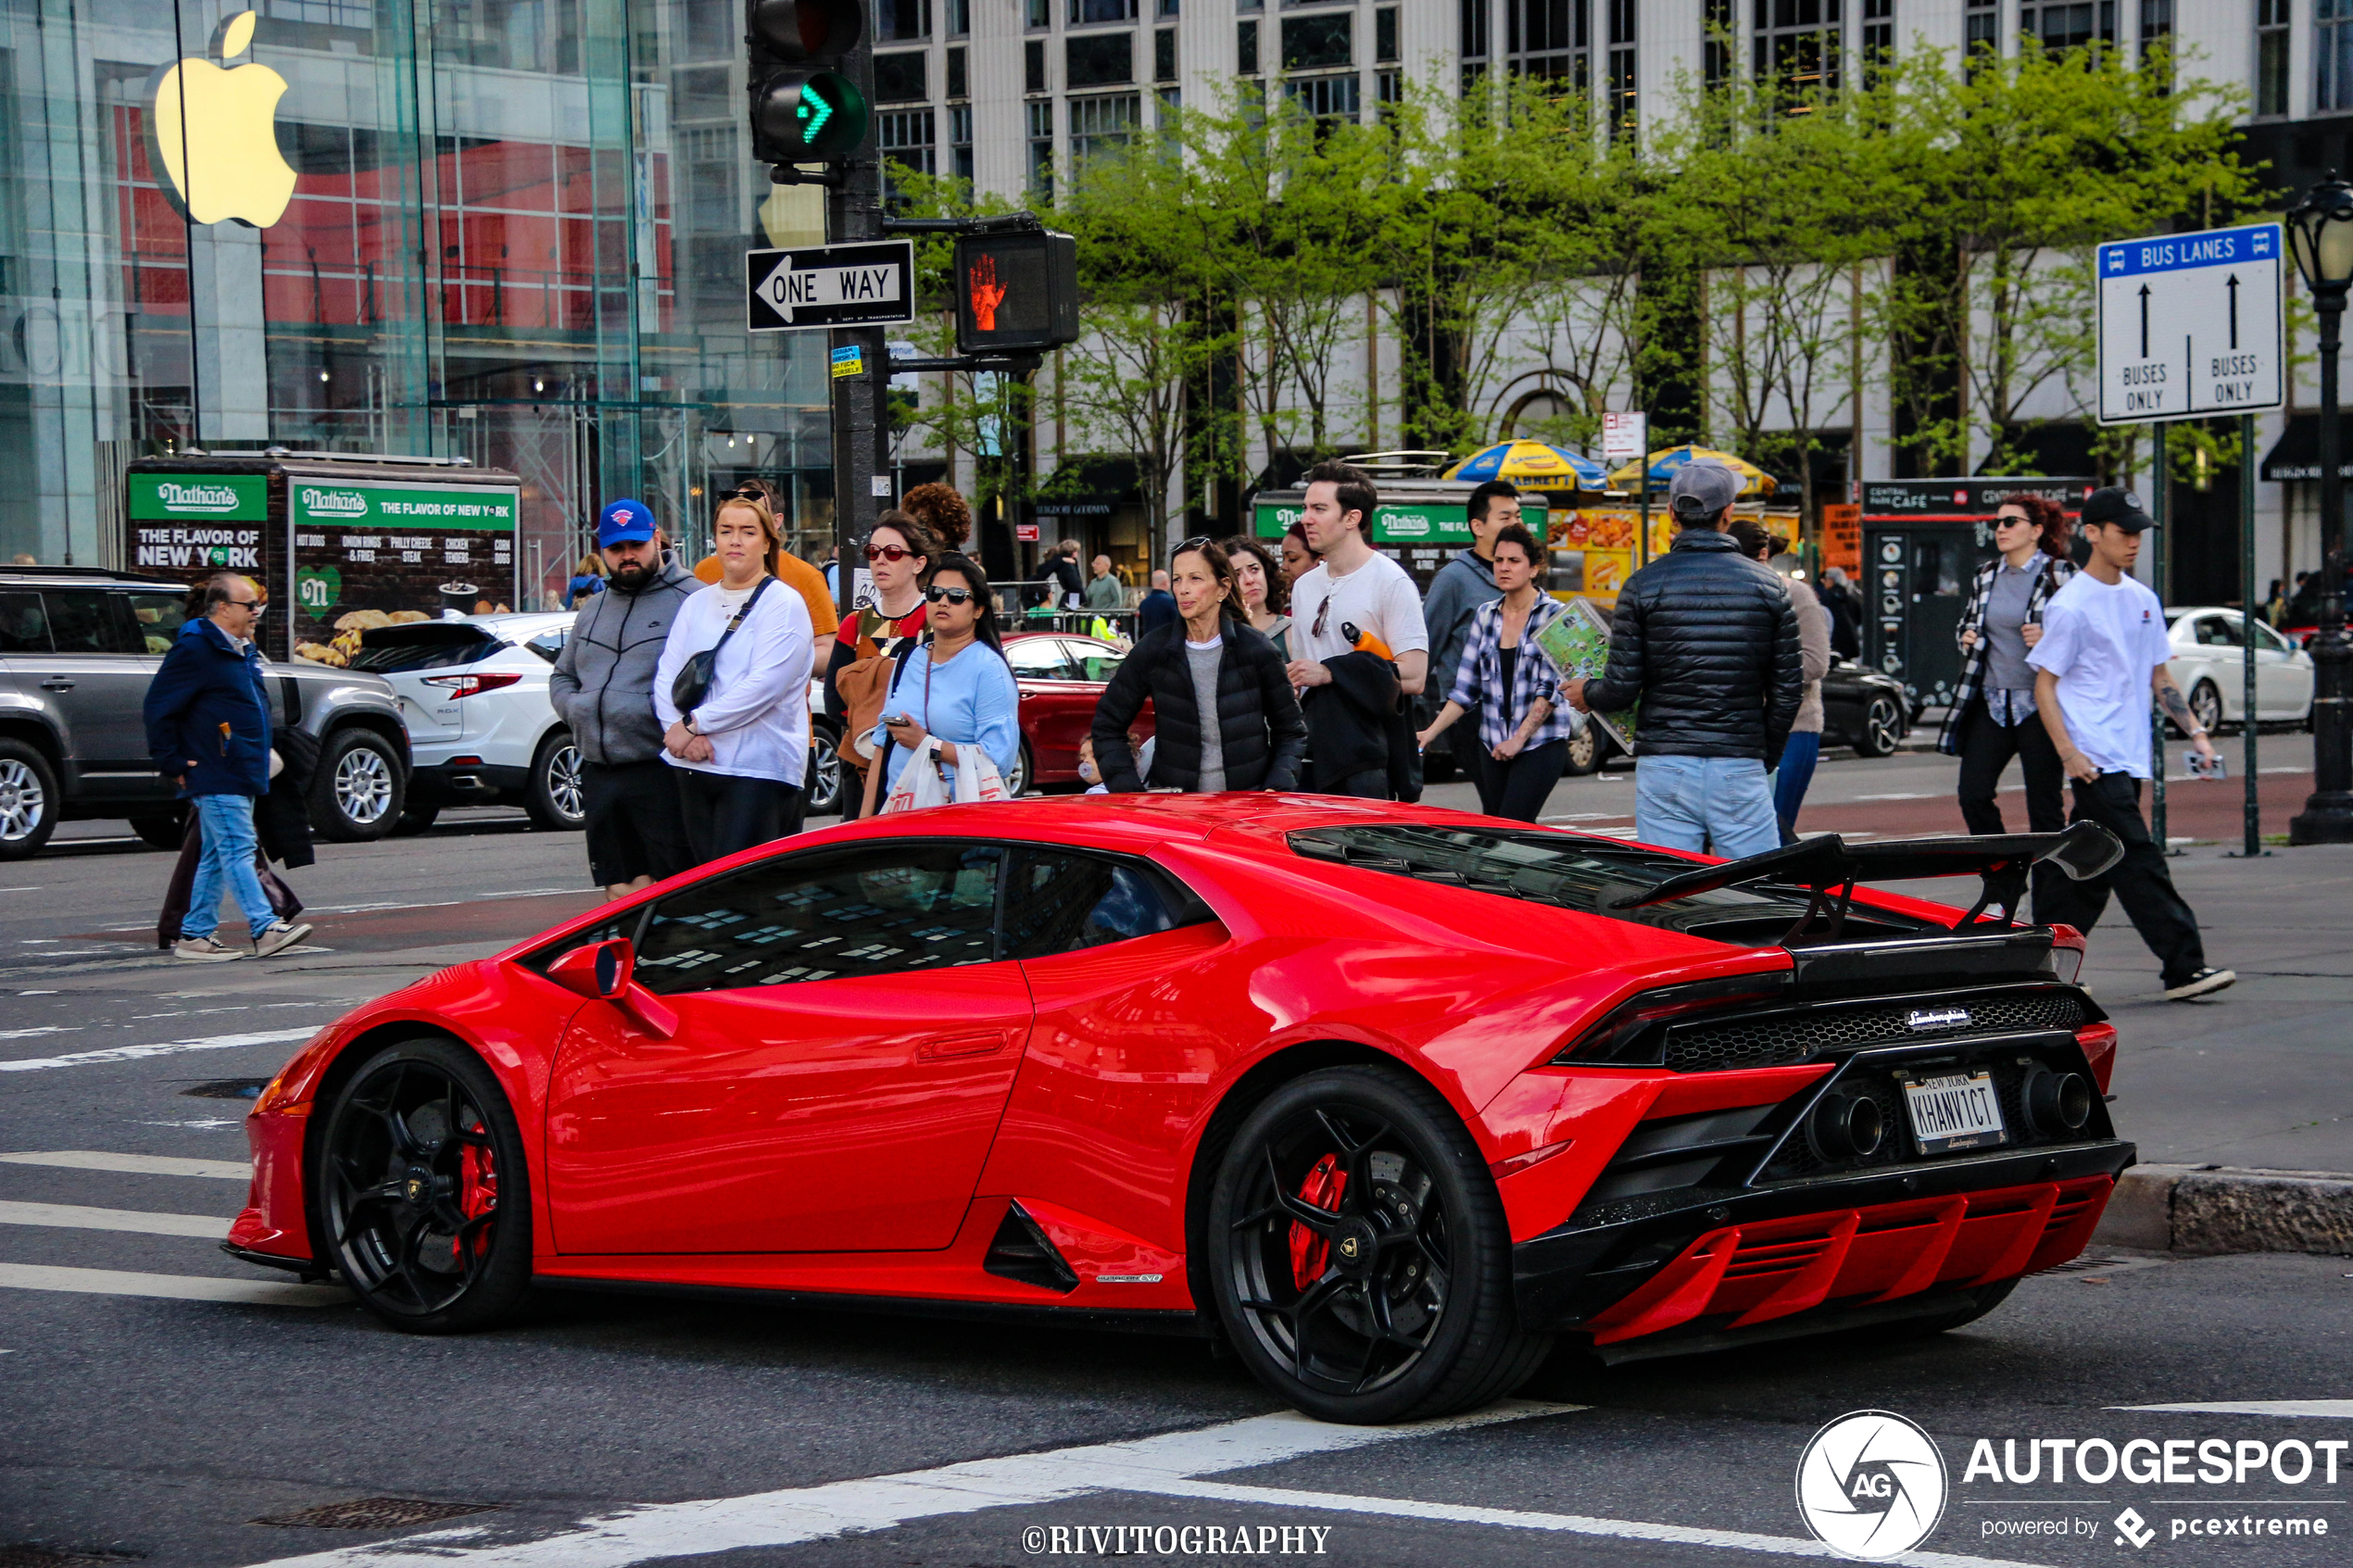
[2098, 1041]
[1620, 1035]
[470, 685]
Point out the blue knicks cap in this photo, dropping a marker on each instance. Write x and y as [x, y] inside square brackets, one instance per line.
[623, 522]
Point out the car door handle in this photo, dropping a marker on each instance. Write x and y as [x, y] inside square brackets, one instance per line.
[946, 1045]
[57, 684]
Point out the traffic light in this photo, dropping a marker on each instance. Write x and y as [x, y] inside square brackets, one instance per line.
[804, 109]
[1016, 290]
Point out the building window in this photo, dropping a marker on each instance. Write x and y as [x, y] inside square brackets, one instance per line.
[1042, 148]
[1879, 36]
[901, 21]
[1324, 97]
[959, 82]
[899, 78]
[960, 18]
[905, 138]
[1039, 13]
[2157, 24]
[1246, 48]
[1984, 29]
[2333, 52]
[1033, 63]
[1085, 11]
[1172, 100]
[1474, 29]
[1796, 47]
[1389, 88]
[959, 140]
[1315, 43]
[2068, 26]
[1718, 52]
[2271, 23]
[1164, 9]
[1385, 34]
[1099, 59]
[1165, 54]
[1102, 124]
[1550, 38]
[1625, 80]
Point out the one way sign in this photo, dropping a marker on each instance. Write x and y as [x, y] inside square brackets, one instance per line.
[2190, 325]
[860, 285]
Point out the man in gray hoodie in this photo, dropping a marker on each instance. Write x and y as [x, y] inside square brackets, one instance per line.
[1456, 593]
[603, 688]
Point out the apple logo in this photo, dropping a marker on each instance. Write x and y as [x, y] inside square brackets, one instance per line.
[213, 131]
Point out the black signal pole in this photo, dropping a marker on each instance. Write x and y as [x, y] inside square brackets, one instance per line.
[861, 436]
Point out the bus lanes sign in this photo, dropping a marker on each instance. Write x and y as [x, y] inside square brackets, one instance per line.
[2189, 324]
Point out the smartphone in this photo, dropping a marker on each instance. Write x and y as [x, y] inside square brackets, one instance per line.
[2200, 768]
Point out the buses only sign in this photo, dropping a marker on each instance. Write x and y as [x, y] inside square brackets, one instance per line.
[2190, 325]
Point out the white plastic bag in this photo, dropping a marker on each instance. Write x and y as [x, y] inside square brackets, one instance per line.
[919, 782]
[976, 777]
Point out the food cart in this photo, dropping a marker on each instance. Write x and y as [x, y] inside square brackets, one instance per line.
[1421, 522]
[343, 542]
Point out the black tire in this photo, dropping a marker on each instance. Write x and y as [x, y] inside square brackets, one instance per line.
[1425, 1324]
[28, 800]
[1883, 726]
[162, 830]
[415, 819]
[422, 1200]
[357, 793]
[553, 798]
[824, 771]
[1588, 749]
[1024, 769]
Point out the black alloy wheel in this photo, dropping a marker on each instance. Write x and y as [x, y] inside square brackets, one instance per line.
[1882, 727]
[1357, 1253]
[423, 1200]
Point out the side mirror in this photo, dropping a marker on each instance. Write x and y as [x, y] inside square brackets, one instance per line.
[599, 970]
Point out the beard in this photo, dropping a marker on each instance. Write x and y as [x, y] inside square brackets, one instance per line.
[629, 576]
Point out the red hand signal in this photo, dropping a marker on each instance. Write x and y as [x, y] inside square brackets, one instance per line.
[987, 293]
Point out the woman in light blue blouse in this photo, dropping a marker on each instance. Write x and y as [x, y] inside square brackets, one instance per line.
[956, 686]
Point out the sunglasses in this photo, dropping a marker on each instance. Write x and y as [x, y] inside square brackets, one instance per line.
[257, 606]
[1197, 542]
[2006, 521]
[888, 552]
[948, 595]
[1321, 611]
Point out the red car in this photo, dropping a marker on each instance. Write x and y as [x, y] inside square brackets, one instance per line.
[1061, 676]
[1390, 1096]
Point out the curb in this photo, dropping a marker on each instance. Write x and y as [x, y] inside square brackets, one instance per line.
[2202, 1209]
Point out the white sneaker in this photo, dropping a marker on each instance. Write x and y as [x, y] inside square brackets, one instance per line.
[277, 938]
[203, 950]
[2204, 983]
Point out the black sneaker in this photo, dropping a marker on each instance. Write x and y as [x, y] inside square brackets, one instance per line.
[2204, 983]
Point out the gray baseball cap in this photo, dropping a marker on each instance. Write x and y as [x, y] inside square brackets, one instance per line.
[1700, 490]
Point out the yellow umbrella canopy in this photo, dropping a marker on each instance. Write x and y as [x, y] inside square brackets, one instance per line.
[1754, 480]
[1535, 464]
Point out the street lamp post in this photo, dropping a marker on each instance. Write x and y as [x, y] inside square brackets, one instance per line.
[2320, 236]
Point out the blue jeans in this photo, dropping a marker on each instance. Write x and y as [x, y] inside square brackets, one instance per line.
[1798, 756]
[1692, 802]
[229, 848]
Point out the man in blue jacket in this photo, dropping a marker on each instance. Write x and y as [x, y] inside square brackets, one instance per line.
[207, 716]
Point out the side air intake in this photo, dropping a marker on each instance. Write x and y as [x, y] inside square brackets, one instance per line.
[1020, 1251]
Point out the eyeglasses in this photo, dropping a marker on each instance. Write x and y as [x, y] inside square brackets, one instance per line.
[1321, 611]
[2006, 520]
[254, 604]
[888, 552]
[950, 595]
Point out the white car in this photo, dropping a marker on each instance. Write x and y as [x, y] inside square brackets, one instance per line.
[2208, 665]
[474, 692]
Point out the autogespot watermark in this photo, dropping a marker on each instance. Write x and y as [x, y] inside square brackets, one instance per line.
[1177, 1540]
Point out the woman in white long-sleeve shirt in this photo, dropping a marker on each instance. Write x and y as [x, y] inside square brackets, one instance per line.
[743, 752]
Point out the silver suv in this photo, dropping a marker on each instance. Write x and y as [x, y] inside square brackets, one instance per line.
[78, 648]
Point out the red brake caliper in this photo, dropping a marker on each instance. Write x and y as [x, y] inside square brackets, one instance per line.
[477, 1190]
[1310, 1252]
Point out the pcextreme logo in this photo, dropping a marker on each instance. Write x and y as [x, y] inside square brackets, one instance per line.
[1871, 1484]
[213, 128]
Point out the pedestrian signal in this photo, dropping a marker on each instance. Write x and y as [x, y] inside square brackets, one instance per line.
[1015, 291]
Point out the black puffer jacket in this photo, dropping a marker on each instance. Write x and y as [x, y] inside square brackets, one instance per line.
[1708, 639]
[1258, 719]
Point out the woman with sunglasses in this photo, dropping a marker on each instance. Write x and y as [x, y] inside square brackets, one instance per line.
[1510, 680]
[957, 687]
[870, 640]
[1225, 715]
[1993, 716]
[1264, 591]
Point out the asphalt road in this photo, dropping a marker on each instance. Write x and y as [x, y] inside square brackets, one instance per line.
[160, 1398]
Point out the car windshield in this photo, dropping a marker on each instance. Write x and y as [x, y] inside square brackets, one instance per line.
[1571, 872]
[435, 648]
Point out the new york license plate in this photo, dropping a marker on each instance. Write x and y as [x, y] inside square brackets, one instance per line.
[1955, 1110]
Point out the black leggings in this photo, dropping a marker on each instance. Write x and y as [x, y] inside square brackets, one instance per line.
[1986, 750]
[1517, 789]
[726, 812]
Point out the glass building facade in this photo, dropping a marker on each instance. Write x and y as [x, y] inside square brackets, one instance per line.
[516, 236]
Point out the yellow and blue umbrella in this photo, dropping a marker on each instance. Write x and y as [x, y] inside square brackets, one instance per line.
[1533, 463]
[1754, 480]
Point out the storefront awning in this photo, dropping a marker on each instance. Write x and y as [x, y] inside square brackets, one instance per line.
[2296, 454]
[1089, 487]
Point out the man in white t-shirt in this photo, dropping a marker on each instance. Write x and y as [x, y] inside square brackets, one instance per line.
[2102, 654]
[1354, 600]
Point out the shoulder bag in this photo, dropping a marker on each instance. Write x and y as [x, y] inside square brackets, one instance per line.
[692, 685]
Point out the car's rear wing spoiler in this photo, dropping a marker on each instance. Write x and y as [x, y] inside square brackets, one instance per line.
[1828, 864]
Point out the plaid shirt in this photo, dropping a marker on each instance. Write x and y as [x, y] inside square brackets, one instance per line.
[2048, 582]
[1478, 677]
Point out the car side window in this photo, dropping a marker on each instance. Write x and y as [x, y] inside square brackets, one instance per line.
[156, 619]
[825, 916]
[2269, 640]
[1097, 662]
[548, 644]
[1039, 658]
[1059, 902]
[82, 620]
[2213, 632]
[24, 625]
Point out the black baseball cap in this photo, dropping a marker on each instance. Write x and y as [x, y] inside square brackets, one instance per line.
[2116, 508]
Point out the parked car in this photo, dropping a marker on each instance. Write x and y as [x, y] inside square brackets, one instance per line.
[1860, 707]
[1061, 676]
[78, 648]
[2208, 664]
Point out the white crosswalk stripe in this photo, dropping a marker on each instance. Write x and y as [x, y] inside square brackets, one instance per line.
[75, 1216]
[135, 1164]
[167, 1048]
[171, 1287]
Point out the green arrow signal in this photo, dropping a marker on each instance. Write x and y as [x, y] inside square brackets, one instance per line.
[816, 116]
